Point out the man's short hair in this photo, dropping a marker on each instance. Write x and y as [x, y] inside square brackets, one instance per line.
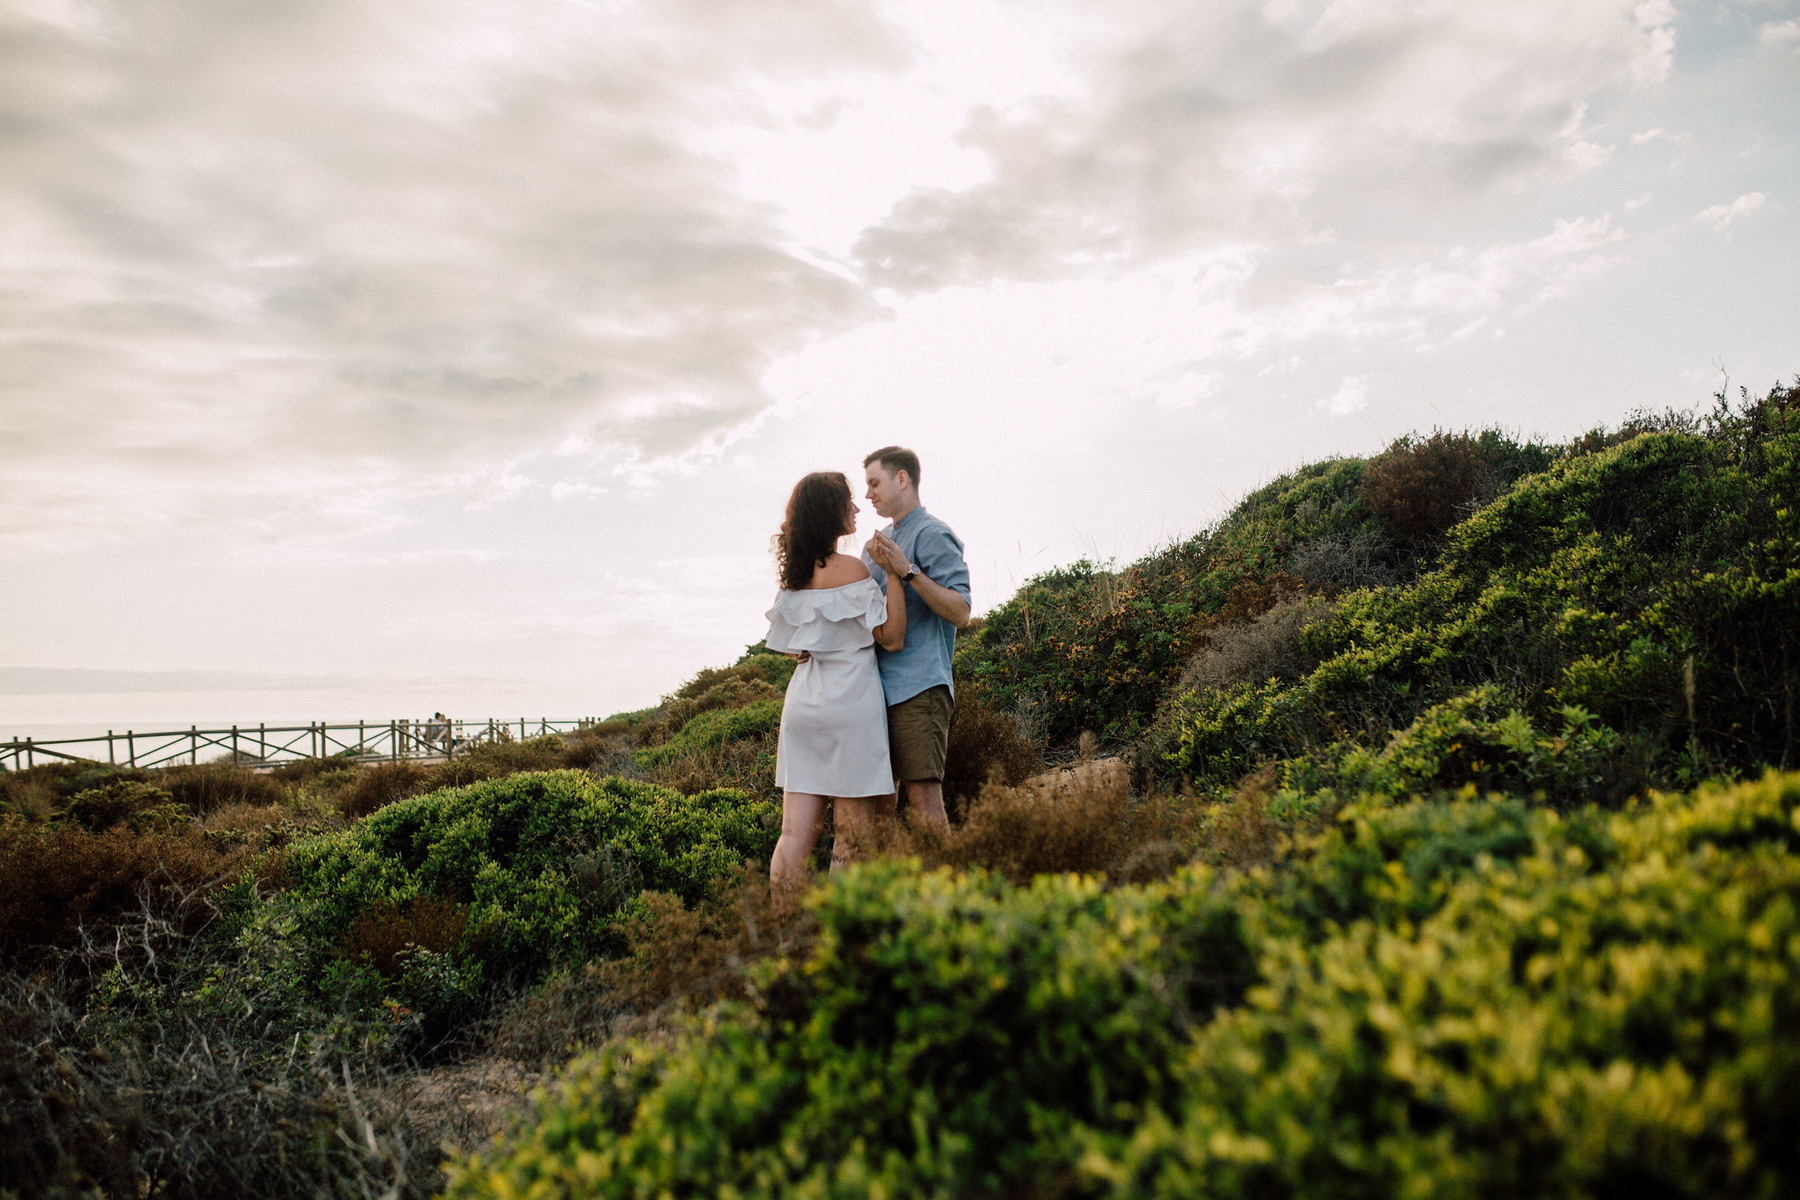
[897, 458]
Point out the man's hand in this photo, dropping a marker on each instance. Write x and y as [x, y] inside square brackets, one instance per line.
[804, 656]
[886, 553]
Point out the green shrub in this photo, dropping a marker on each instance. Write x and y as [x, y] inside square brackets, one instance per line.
[715, 727]
[123, 802]
[539, 861]
[1655, 585]
[1473, 998]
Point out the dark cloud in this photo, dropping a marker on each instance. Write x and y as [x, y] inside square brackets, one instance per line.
[245, 237]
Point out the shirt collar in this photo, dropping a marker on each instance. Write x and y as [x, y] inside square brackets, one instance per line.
[907, 519]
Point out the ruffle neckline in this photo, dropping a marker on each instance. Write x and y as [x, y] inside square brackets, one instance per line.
[827, 619]
[841, 603]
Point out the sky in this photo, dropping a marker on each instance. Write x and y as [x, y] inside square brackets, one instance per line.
[361, 359]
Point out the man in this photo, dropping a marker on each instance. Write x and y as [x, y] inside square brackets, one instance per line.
[920, 694]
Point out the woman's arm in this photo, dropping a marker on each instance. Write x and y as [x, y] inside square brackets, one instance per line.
[890, 635]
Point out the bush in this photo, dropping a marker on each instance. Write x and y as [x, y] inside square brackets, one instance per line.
[985, 747]
[1267, 646]
[1649, 585]
[380, 784]
[206, 787]
[123, 802]
[1480, 995]
[1420, 487]
[538, 862]
[714, 728]
[146, 1064]
[56, 880]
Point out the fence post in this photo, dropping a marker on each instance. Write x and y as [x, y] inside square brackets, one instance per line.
[29, 761]
[131, 746]
[360, 738]
[194, 744]
[111, 761]
[262, 741]
[234, 749]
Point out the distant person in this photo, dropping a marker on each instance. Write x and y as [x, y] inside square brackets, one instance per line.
[830, 614]
[438, 732]
[927, 558]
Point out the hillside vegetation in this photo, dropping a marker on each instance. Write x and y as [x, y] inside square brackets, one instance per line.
[1450, 854]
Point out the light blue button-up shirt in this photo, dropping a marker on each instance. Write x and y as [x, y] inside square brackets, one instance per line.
[924, 661]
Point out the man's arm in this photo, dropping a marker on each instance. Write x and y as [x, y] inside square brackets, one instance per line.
[941, 600]
[948, 603]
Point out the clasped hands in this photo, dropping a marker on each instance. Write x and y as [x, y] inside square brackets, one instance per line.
[886, 553]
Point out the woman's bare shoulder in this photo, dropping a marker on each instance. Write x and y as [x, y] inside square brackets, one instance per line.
[839, 570]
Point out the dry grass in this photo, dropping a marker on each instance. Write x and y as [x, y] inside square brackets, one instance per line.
[195, 1101]
[54, 880]
[210, 786]
[1077, 818]
[986, 746]
[745, 763]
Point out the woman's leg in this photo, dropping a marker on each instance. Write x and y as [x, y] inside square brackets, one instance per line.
[801, 813]
[852, 821]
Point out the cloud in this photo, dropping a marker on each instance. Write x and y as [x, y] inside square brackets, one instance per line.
[1721, 216]
[254, 250]
[1200, 122]
[1352, 397]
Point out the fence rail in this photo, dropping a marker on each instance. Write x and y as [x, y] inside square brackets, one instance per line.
[267, 745]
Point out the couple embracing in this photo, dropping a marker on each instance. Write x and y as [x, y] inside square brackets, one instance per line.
[868, 710]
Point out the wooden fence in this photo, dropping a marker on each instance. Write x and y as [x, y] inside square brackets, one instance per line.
[266, 745]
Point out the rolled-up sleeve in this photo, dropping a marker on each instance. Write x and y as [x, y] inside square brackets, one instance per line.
[939, 553]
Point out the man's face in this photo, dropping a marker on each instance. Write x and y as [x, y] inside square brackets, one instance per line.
[885, 487]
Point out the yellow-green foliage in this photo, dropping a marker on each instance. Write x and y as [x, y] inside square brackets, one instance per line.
[1437, 999]
[1654, 586]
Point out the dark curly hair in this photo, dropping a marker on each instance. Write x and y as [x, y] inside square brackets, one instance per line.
[817, 514]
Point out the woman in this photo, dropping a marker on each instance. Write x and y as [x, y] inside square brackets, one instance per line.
[829, 614]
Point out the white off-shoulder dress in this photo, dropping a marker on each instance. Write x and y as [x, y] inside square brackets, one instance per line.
[834, 722]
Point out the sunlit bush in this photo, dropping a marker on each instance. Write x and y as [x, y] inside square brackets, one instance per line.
[1481, 996]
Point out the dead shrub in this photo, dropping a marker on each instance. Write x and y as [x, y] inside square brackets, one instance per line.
[1077, 818]
[1367, 558]
[986, 746]
[381, 784]
[56, 880]
[745, 763]
[203, 788]
[1636, 423]
[36, 792]
[497, 759]
[310, 770]
[1420, 487]
[1253, 597]
[600, 748]
[386, 932]
[1268, 646]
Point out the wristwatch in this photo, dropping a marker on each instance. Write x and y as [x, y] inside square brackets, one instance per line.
[911, 573]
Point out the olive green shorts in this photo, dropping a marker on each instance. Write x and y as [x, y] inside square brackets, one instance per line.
[919, 734]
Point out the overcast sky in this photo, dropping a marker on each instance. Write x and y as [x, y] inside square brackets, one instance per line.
[364, 358]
